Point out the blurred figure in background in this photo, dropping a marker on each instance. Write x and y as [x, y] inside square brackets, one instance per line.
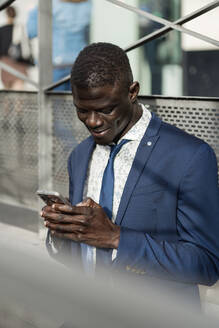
[71, 20]
[14, 50]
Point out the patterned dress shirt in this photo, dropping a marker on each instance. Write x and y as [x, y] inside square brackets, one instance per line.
[122, 165]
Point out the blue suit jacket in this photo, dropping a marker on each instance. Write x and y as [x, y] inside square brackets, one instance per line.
[169, 210]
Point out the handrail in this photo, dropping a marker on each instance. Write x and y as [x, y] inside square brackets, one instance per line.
[57, 83]
[16, 73]
[166, 22]
[164, 30]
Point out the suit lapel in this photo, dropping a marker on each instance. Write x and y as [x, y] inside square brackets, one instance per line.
[81, 171]
[80, 174]
[143, 153]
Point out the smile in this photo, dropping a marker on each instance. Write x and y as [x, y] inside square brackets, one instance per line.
[99, 133]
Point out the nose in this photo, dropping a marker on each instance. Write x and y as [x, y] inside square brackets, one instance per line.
[93, 120]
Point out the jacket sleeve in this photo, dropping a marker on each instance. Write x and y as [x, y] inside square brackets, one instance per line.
[194, 258]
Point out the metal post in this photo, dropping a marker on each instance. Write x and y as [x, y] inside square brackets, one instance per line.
[45, 115]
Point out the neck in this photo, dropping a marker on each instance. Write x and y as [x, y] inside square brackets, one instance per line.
[137, 113]
[10, 21]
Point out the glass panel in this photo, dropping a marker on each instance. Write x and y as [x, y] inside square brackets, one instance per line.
[200, 59]
[161, 58]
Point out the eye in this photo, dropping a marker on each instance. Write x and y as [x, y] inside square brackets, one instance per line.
[81, 110]
[107, 110]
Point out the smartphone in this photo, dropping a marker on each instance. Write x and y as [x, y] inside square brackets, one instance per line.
[52, 197]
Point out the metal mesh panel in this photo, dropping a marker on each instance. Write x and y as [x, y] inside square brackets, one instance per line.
[197, 117]
[18, 147]
[19, 131]
[68, 131]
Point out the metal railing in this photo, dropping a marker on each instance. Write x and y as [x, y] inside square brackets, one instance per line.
[19, 137]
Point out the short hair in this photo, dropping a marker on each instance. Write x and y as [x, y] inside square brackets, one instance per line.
[11, 12]
[101, 64]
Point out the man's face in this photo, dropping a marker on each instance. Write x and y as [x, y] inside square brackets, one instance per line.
[106, 111]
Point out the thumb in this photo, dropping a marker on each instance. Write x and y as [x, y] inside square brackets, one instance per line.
[89, 202]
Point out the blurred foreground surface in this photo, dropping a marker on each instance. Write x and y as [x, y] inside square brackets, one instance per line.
[19, 217]
[37, 292]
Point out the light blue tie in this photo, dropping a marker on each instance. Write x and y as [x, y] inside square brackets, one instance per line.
[103, 255]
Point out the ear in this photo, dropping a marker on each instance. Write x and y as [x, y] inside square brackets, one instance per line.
[133, 91]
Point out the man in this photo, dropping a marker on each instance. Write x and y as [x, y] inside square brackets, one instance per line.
[162, 220]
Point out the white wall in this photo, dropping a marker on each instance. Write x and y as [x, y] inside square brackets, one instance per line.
[111, 23]
[208, 24]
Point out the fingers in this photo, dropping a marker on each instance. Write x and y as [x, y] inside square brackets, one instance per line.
[87, 238]
[85, 210]
[89, 202]
[66, 228]
[77, 237]
[62, 218]
[63, 208]
[85, 202]
[83, 207]
[48, 208]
